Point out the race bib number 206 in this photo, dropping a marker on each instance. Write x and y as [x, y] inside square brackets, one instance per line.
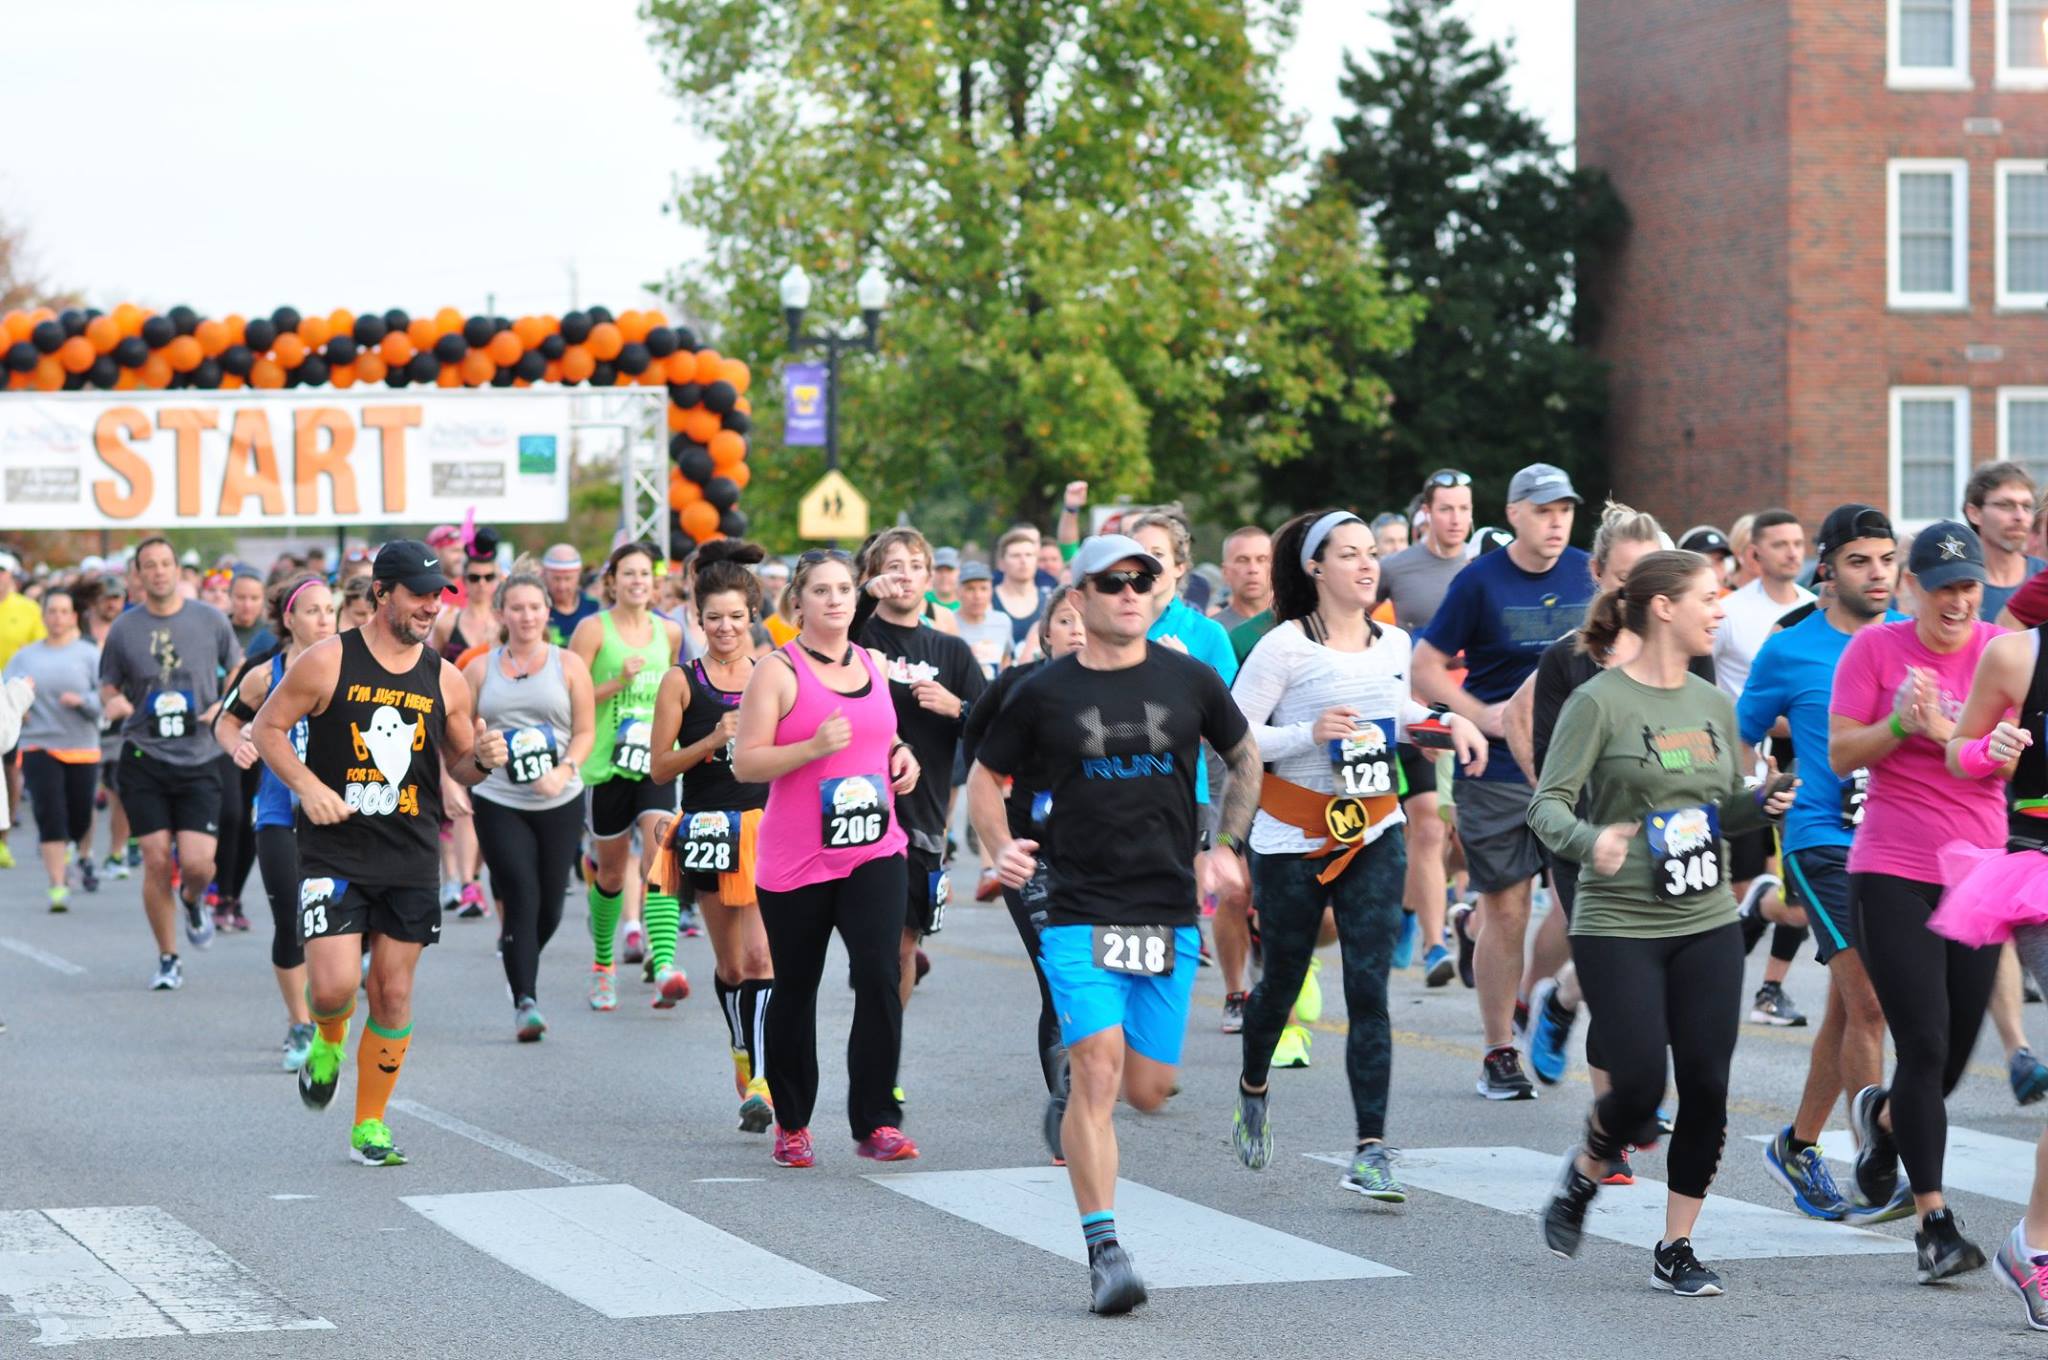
[855, 810]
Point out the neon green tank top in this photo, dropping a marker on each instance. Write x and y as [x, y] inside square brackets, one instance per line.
[625, 722]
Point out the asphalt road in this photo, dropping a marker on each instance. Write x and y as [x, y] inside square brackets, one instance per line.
[591, 1195]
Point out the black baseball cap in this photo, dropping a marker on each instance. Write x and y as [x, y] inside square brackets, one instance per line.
[1945, 552]
[1847, 523]
[410, 563]
[1705, 539]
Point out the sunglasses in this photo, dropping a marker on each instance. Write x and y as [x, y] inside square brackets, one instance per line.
[1113, 582]
[1448, 477]
[480, 578]
[817, 555]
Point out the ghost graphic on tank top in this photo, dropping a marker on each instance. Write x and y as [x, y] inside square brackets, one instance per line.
[390, 740]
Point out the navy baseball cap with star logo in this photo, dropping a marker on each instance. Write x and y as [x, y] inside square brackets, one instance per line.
[410, 563]
[1945, 552]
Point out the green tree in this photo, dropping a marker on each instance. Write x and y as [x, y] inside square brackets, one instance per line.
[1073, 201]
[1475, 216]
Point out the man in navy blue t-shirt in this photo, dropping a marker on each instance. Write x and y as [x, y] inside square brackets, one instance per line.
[1501, 611]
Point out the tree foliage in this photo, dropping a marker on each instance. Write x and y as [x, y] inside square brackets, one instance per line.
[1077, 205]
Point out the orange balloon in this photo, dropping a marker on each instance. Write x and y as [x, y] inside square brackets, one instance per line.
[48, 375]
[675, 418]
[743, 406]
[290, 350]
[76, 354]
[477, 368]
[682, 492]
[42, 314]
[340, 321]
[652, 376]
[212, 337]
[505, 348]
[700, 424]
[128, 382]
[102, 334]
[550, 324]
[553, 372]
[605, 341]
[370, 366]
[449, 376]
[342, 375]
[736, 372]
[577, 363]
[447, 321]
[531, 330]
[397, 349]
[183, 354]
[727, 449]
[267, 374]
[654, 317]
[700, 520]
[422, 333]
[230, 382]
[238, 327]
[128, 318]
[740, 473]
[15, 327]
[315, 331]
[155, 371]
[634, 325]
[680, 367]
[708, 361]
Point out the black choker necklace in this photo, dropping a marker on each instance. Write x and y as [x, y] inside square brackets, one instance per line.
[824, 660]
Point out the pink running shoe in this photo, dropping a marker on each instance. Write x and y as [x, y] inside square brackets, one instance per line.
[793, 1149]
[670, 986]
[887, 1145]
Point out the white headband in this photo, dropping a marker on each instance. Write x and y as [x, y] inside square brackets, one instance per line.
[1312, 541]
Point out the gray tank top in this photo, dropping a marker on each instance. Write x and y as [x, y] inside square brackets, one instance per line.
[535, 716]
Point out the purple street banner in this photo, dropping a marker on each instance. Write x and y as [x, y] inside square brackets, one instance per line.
[804, 396]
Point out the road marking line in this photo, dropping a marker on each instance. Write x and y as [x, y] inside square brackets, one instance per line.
[533, 1157]
[727, 1180]
[69, 1293]
[625, 1254]
[42, 956]
[1176, 1243]
[1517, 1180]
[1981, 1163]
[288, 1197]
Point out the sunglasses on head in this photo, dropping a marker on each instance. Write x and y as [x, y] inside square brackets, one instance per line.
[1449, 477]
[817, 555]
[1113, 582]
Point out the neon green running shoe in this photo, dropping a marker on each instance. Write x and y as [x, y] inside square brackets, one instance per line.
[370, 1143]
[60, 897]
[6, 856]
[1292, 1050]
[320, 1072]
[1308, 1007]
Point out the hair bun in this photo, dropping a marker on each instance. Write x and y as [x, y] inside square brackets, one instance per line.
[730, 550]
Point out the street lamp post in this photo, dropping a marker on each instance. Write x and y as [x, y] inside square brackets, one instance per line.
[871, 290]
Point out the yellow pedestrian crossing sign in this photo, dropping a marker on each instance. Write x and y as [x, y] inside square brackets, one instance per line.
[832, 509]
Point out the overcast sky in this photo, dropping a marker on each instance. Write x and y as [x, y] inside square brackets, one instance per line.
[242, 154]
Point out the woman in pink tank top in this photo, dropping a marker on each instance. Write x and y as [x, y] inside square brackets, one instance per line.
[818, 727]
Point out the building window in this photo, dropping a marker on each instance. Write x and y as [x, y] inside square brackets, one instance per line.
[2022, 44]
[2023, 430]
[1930, 452]
[2021, 240]
[1927, 222]
[1928, 46]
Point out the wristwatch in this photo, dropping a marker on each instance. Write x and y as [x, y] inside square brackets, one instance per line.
[1230, 843]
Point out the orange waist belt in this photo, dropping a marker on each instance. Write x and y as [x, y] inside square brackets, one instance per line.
[1340, 819]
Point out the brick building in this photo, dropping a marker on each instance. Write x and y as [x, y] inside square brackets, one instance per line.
[1835, 285]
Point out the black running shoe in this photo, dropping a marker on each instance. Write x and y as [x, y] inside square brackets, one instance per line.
[1113, 1283]
[1877, 1160]
[1944, 1251]
[88, 876]
[1564, 1218]
[1676, 1270]
[1501, 1076]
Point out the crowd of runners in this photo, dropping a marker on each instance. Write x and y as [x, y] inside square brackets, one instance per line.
[1573, 781]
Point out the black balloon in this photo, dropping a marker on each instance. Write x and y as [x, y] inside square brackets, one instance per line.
[130, 352]
[370, 330]
[686, 339]
[451, 348]
[207, 375]
[74, 382]
[634, 359]
[733, 523]
[600, 315]
[685, 395]
[260, 334]
[680, 545]
[341, 350]
[72, 321]
[22, 357]
[104, 372]
[604, 375]
[423, 368]
[477, 332]
[500, 323]
[396, 319]
[504, 376]
[286, 318]
[532, 366]
[396, 376]
[158, 332]
[183, 319]
[235, 359]
[48, 336]
[312, 370]
[553, 347]
[661, 342]
[720, 396]
[680, 444]
[739, 422]
[695, 464]
[722, 492]
[575, 328]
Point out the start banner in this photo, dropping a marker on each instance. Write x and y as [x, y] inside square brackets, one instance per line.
[187, 458]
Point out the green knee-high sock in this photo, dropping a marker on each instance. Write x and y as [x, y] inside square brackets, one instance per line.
[662, 914]
[604, 923]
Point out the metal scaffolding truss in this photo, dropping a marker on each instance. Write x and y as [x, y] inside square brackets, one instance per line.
[628, 426]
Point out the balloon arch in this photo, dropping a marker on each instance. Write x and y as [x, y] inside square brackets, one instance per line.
[130, 348]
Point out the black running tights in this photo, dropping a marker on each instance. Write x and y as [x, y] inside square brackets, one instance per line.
[61, 794]
[529, 854]
[1050, 1048]
[1933, 992]
[1681, 993]
[277, 851]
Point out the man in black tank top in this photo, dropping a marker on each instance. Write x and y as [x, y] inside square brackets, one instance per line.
[382, 712]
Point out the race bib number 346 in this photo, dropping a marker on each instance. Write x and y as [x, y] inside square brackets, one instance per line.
[1685, 851]
[855, 810]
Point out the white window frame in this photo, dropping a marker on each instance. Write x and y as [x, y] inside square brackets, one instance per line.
[1959, 230]
[2007, 299]
[2006, 397]
[2008, 77]
[1959, 399]
[1956, 77]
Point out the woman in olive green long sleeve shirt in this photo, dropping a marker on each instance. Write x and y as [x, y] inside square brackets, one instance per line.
[1655, 751]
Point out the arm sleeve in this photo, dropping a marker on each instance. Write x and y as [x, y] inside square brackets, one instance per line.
[89, 693]
[1856, 694]
[1257, 690]
[1741, 811]
[1546, 701]
[1763, 698]
[1223, 724]
[1451, 627]
[1553, 812]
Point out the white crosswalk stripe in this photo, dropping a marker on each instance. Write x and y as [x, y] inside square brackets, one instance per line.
[1978, 1163]
[1517, 1180]
[626, 1254]
[127, 1273]
[1176, 1242]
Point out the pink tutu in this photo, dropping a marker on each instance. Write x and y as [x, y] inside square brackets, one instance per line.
[1990, 892]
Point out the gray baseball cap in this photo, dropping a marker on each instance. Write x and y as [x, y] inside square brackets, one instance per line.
[1540, 484]
[1945, 552]
[1104, 551]
[945, 557]
[975, 571]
